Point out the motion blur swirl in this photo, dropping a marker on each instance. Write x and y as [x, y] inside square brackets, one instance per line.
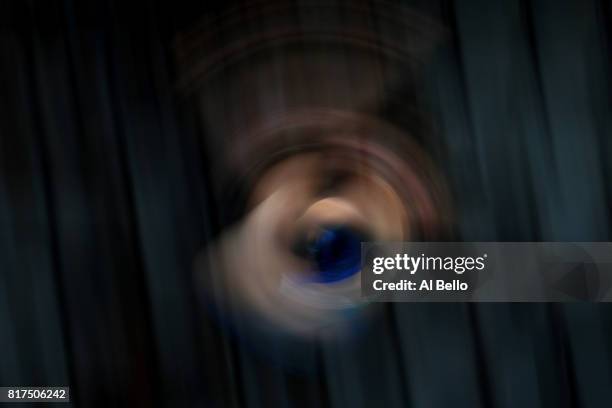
[321, 182]
[305, 166]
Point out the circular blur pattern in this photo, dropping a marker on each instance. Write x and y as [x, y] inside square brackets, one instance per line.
[317, 183]
[276, 87]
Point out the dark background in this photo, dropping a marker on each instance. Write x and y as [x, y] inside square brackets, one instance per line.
[104, 204]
